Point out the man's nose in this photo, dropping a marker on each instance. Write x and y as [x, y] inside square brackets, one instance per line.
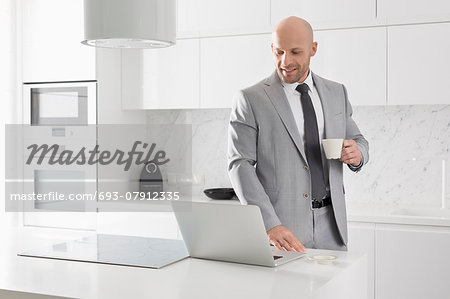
[286, 59]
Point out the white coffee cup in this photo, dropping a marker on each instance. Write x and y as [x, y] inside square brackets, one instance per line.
[332, 148]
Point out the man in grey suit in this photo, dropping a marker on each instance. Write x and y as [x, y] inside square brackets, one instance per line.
[274, 149]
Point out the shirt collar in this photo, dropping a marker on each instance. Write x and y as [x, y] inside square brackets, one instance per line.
[290, 87]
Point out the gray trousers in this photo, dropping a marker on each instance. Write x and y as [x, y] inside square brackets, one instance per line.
[325, 234]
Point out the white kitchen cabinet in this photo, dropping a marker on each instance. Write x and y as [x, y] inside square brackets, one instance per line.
[361, 238]
[413, 11]
[327, 14]
[418, 64]
[355, 58]
[109, 90]
[216, 18]
[412, 261]
[229, 64]
[51, 34]
[165, 78]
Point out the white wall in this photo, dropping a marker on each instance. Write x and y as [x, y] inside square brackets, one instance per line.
[8, 90]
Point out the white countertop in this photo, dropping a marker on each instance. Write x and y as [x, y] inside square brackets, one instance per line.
[189, 278]
[385, 213]
[390, 214]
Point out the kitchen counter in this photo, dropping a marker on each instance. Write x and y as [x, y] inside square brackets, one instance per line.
[189, 278]
[385, 213]
[390, 214]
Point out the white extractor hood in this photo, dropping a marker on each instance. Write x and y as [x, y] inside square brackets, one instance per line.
[129, 23]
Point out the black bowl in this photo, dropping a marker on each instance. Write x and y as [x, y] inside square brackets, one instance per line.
[220, 193]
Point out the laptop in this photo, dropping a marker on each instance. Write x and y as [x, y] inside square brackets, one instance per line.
[228, 232]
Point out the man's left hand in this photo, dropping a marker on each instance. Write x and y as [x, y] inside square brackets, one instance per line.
[350, 153]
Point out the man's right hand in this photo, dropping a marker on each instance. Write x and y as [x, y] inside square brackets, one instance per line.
[281, 237]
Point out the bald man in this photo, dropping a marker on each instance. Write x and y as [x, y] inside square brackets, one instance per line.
[275, 156]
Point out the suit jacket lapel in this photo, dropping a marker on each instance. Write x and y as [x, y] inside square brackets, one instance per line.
[275, 92]
[326, 104]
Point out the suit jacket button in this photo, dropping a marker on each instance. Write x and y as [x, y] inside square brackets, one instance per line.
[305, 195]
[306, 168]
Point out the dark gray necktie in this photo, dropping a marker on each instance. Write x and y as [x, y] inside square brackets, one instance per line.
[312, 145]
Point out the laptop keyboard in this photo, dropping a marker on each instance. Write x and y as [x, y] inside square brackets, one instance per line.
[275, 257]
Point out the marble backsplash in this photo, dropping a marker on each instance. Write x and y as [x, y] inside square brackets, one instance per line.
[209, 143]
[409, 155]
[408, 145]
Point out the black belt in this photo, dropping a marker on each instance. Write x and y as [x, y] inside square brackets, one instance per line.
[317, 204]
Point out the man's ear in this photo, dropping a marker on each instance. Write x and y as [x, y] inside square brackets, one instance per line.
[313, 48]
[271, 46]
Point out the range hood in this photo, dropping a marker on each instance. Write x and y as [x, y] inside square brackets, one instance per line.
[129, 23]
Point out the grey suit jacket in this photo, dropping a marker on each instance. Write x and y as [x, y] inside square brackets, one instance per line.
[266, 158]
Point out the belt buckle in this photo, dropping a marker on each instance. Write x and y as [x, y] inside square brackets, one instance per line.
[316, 204]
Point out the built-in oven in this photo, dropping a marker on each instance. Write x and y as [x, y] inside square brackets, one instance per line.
[62, 114]
[60, 103]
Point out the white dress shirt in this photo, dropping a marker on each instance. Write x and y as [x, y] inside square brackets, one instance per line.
[293, 97]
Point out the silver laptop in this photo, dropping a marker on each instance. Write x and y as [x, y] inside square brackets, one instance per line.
[228, 232]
